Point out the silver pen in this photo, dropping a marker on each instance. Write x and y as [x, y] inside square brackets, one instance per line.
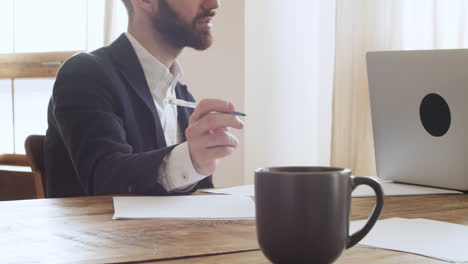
[180, 102]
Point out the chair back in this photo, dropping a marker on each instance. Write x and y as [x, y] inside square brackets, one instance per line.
[16, 178]
[34, 146]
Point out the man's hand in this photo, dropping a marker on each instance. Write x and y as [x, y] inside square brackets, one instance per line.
[208, 134]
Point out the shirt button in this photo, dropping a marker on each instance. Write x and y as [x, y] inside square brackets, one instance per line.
[184, 176]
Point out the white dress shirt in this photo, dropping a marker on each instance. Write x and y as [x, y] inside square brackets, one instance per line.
[177, 172]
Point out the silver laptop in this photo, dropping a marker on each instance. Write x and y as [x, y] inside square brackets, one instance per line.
[419, 106]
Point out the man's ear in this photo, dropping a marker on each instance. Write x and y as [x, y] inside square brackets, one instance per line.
[147, 6]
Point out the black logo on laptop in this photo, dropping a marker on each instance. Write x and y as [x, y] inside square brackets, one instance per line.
[435, 115]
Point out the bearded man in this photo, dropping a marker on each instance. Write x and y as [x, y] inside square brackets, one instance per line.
[112, 126]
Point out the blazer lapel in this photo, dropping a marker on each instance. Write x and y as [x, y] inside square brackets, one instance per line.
[129, 65]
[183, 113]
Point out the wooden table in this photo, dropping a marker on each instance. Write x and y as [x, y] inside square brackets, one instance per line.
[81, 230]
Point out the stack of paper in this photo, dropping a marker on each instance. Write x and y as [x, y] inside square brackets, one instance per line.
[430, 238]
[213, 207]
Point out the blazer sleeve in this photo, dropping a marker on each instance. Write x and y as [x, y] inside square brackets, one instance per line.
[94, 135]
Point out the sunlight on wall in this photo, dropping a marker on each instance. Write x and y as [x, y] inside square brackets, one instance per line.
[6, 132]
[289, 83]
[120, 20]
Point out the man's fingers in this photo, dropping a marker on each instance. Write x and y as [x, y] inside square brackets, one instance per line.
[213, 122]
[225, 129]
[218, 152]
[208, 134]
[207, 106]
[220, 139]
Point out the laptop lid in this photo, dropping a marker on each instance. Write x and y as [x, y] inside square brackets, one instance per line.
[420, 116]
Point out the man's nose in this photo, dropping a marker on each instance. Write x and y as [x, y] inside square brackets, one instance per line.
[211, 4]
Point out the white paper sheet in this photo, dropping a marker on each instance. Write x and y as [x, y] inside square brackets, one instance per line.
[397, 189]
[243, 190]
[389, 188]
[213, 207]
[15, 168]
[441, 240]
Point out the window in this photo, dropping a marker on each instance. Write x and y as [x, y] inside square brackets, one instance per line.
[30, 26]
[51, 25]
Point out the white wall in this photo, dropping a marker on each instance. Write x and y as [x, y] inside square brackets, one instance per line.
[289, 83]
[219, 73]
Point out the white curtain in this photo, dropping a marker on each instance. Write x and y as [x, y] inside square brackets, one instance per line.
[367, 25]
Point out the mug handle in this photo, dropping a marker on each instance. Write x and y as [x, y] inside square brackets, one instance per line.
[356, 181]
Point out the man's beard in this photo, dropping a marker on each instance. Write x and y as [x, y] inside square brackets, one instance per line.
[179, 33]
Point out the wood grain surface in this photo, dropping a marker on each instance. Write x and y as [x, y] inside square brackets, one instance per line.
[81, 230]
[32, 65]
[356, 255]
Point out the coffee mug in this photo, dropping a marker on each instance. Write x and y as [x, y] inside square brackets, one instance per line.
[303, 213]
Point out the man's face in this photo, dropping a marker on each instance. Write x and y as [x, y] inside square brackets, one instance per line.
[186, 23]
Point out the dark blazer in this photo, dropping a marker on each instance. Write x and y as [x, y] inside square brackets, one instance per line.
[104, 134]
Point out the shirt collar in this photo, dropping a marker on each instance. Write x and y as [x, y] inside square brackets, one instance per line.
[161, 80]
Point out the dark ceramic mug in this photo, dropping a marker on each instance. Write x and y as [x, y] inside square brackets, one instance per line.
[303, 213]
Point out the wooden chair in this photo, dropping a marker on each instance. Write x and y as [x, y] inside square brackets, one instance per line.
[34, 146]
[16, 180]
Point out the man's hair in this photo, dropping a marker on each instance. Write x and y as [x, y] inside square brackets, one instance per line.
[129, 6]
